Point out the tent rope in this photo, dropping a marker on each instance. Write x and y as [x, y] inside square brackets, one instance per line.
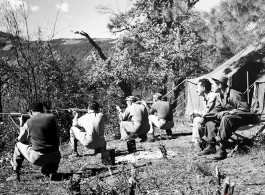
[252, 85]
[180, 104]
[179, 97]
[174, 88]
[180, 111]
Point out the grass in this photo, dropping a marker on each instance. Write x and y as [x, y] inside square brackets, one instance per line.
[181, 172]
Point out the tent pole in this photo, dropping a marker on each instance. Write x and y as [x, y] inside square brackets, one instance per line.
[247, 88]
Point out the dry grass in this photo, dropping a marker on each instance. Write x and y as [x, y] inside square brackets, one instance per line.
[182, 172]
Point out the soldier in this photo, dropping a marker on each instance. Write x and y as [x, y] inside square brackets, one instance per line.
[211, 104]
[228, 121]
[41, 130]
[88, 129]
[161, 116]
[134, 120]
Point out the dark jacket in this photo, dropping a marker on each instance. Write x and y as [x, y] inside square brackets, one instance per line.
[43, 133]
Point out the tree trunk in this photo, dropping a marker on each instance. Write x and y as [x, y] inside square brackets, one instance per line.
[126, 88]
[1, 107]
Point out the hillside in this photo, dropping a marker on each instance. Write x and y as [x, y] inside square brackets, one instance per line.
[77, 48]
[80, 48]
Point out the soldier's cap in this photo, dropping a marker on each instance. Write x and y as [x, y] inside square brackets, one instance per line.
[157, 95]
[130, 98]
[221, 78]
[36, 106]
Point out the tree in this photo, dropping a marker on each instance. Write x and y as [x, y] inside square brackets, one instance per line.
[6, 78]
[158, 43]
[40, 73]
[232, 26]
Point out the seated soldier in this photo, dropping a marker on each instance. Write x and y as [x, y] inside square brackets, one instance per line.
[92, 137]
[161, 116]
[41, 130]
[134, 120]
[235, 105]
[211, 104]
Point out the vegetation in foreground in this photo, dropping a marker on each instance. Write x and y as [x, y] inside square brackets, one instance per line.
[181, 172]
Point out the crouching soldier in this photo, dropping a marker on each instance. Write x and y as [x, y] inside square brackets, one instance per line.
[134, 120]
[161, 116]
[88, 130]
[41, 130]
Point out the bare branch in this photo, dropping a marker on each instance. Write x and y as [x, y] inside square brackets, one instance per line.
[105, 10]
[103, 57]
[53, 32]
[191, 3]
[121, 30]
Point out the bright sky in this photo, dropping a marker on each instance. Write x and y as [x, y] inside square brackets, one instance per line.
[76, 15]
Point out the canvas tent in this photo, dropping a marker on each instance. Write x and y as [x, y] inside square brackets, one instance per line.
[246, 73]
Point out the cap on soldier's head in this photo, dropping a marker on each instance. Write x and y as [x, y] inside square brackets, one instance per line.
[158, 95]
[36, 106]
[221, 78]
[130, 98]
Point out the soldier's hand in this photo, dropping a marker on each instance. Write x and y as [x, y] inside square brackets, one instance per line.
[191, 116]
[20, 121]
[118, 108]
[74, 113]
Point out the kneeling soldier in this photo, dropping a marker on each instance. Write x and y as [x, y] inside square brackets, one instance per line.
[134, 120]
[161, 116]
[41, 130]
[92, 137]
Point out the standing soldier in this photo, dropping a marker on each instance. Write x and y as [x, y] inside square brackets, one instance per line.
[41, 130]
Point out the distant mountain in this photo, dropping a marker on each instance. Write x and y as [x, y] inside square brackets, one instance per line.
[78, 48]
[81, 48]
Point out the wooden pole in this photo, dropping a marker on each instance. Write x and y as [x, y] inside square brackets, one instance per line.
[218, 176]
[225, 186]
[247, 88]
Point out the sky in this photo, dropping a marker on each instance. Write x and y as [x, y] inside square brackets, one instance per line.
[77, 15]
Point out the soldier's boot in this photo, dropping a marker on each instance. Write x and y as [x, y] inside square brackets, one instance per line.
[169, 134]
[143, 137]
[221, 153]
[14, 177]
[150, 137]
[169, 131]
[210, 149]
[74, 152]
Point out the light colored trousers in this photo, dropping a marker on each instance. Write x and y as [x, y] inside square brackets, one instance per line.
[86, 140]
[159, 123]
[48, 161]
[132, 127]
[197, 129]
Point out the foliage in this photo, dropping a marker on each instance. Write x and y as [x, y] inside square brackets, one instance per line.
[152, 47]
[232, 26]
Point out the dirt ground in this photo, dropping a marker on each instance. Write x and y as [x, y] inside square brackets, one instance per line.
[182, 172]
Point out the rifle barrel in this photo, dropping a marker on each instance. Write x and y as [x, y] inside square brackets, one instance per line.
[70, 109]
[15, 114]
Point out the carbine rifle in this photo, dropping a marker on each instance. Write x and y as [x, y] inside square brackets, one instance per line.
[16, 114]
